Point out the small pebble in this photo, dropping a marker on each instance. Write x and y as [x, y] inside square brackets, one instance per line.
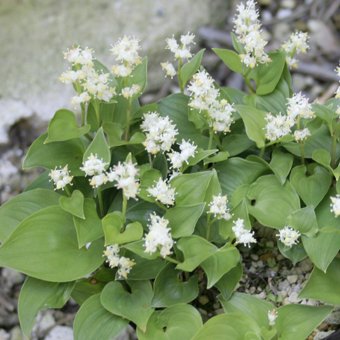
[60, 333]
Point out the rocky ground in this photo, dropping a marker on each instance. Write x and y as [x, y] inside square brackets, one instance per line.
[270, 276]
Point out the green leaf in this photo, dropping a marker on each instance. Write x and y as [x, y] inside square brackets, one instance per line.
[231, 326]
[169, 289]
[200, 155]
[183, 219]
[93, 322]
[45, 247]
[55, 154]
[40, 182]
[99, 147]
[324, 113]
[298, 321]
[230, 58]
[196, 187]
[281, 164]
[176, 322]
[228, 283]
[304, 220]
[84, 289]
[219, 157]
[145, 269]
[74, 204]
[114, 132]
[268, 75]
[251, 306]
[134, 306]
[267, 194]
[89, 228]
[324, 286]
[63, 126]
[235, 172]
[137, 247]
[232, 95]
[139, 75]
[295, 253]
[311, 183]
[36, 295]
[18, 208]
[115, 233]
[147, 180]
[191, 67]
[195, 250]
[236, 143]
[254, 122]
[220, 263]
[175, 107]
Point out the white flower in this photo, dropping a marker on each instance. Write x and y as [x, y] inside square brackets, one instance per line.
[288, 236]
[299, 107]
[129, 92]
[181, 50]
[93, 165]
[335, 205]
[277, 126]
[98, 180]
[172, 44]
[124, 264]
[272, 316]
[160, 132]
[122, 70]
[125, 175]
[301, 135]
[169, 69]
[77, 56]
[187, 150]
[84, 97]
[248, 31]
[162, 192]
[187, 39]
[70, 76]
[242, 234]
[296, 44]
[60, 177]
[218, 207]
[220, 115]
[126, 49]
[159, 236]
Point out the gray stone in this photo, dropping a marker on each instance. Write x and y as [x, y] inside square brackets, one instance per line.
[36, 32]
[4, 335]
[60, 333]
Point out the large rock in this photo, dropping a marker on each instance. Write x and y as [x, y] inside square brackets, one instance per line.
[35, 33]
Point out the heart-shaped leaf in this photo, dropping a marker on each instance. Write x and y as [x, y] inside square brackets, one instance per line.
[74, 204]
[94, 322]
[115, 233]
[63, 126]
[134, 306]
[169, 289]
[229, 281]
[176, 322]
[99, 147]
[304, 220]
[281, 163]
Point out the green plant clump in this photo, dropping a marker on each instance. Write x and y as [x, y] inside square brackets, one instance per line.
[143, 212]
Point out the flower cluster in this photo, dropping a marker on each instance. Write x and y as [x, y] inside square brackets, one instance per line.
[242, 234]
[248, 31]
[169, 69]
[278, 126]
[125, 176]
[95, 168]
[124, 264]
[296, 44]
[160, 132]
[335, 205]
[178, 158]
[90, 83]
[159, 236]
[60, 177]
[131, 91]
[288, 236]
[204, 96]
[163, 192]
[272, 316]
[125, 51]
[218, 207]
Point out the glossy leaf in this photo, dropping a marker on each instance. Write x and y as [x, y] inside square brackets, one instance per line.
[118, 301]
[74, 204]
[281, 164]
[229, 281]
[63, 126]
[183, 219]
[53, 254]
[36, 295]
[170, 289]
[18, 208]
[230, 58]
[180, 321]
[94, 322]
[99, 147]
[304, 220]
[267, 194]
[191, 67]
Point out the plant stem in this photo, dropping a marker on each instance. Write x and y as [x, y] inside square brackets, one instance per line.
[150, 160]
[302, 151]
[128, 118]
[67, 190]
[100, 202]
[179, 77]
[96, 105]
[262, 151]
[333, 150]
[124, 206]
[211, 137]
[207, 235]
[170, 259]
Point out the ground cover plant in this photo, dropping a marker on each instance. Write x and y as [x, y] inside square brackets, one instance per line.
[144, 210]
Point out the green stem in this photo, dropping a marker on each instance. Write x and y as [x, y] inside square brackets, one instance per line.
[160, 205]
[249, 85]
[67, 190]
[124, 206]
[83, 114]
[262, 151]
[302, 151]
[150, 160]
[211, 137]
[179, 76]
[333, 150]
[96, 105]
[128, 118]
[170, 259]
[207, 235]
[100, 202]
